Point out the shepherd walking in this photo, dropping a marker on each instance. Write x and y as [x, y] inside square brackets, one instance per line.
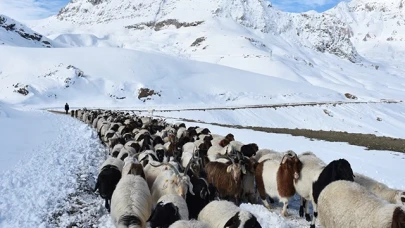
[67, 108]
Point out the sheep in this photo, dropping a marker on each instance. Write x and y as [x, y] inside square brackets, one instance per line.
[236, 145]
[249, 150]
[132, 166]
[170, 181]
[347, 204]
[116, 150]
[189, 147]
[380, 189]
[181, 132]
[336, 170]
[153, 169]
[265, 154]
[248, 181]
[158, 140]
[168, 210]
[312, 166]
[160, 152]
[200, 130]
[108, 177]
[204, 194]
[125, 152]
[189, 224]
[146, 156]
[134, 144]
[219, 214]
[131, 202]
[276, 179]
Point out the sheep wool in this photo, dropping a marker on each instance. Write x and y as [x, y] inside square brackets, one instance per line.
[380, 189]
[189, 224]
[348, 204]
[131, 200]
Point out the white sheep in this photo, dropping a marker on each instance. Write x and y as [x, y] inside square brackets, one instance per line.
[153, 169]
[221, 213]
[131, 202]
[236, 145]
[171, 181]
[182, 131]
[380, 189]
[189, 147]
[132, 166]
[189, 224]
[264, 154]
[348, 204]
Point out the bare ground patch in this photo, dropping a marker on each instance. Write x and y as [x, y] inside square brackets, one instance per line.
[370, 141]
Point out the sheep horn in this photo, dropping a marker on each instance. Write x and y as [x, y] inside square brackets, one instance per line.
[282, 160]
[188, 166]
[173, 168]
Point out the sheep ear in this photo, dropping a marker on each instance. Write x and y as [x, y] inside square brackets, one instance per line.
[229, 169]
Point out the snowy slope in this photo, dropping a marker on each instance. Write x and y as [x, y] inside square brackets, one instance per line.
[314, 48]
[108, 77]
[13, 33]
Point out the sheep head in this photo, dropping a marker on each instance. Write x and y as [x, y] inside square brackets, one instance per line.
[292, 164]
[235, 169]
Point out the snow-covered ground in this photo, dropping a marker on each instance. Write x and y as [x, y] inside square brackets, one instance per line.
[382, 119]
[44, 159]
[48, 181]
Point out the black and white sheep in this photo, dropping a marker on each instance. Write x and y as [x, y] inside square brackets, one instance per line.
[348, 204]
[312, 166]
[336, 170]
[168, 210]
[380, 189]
[219, 214]
[108, 177]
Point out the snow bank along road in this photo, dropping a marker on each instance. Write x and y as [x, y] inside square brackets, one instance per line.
[44, 159]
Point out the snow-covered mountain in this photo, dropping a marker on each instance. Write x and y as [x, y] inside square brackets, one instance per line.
[13, 33]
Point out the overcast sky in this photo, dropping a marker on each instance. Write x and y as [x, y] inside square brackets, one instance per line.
[37, 9]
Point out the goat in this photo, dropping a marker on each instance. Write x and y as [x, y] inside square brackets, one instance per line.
[276, 179]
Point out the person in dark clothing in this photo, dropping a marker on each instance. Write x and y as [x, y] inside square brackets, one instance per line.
[66, 108]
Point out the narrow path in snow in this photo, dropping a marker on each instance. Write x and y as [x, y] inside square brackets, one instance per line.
[35, 192]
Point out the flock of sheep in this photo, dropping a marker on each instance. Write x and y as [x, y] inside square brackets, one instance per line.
[168, 175]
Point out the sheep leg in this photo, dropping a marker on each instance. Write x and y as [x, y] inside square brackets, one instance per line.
[307, 216]
[302, 203]
[284, 212]
[315, 215]
[265, 203]
[107, 205]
